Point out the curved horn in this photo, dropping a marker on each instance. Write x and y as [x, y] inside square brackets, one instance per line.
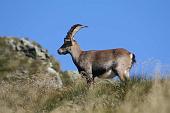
[74, 29]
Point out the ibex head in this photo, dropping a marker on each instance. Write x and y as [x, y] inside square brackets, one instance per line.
[69, 41]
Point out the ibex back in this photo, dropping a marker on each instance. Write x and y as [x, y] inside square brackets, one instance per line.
[97, 63]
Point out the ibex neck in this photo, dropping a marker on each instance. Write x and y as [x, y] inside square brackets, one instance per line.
[75, 54]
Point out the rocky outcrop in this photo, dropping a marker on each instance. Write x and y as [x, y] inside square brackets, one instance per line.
[29, 48]
[22, 58]
[73, 75]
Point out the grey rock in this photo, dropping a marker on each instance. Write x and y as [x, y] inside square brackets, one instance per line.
[74, 75]
[29, 48]
[35, 52]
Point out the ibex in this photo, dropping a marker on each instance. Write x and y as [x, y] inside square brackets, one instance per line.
[97, 63]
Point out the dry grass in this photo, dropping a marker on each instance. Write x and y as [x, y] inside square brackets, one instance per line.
[31, 95]
[136, 96]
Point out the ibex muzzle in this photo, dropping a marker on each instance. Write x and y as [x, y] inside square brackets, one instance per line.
[65, 48]
[97, 63]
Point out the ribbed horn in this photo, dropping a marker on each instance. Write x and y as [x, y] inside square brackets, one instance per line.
[74, 29]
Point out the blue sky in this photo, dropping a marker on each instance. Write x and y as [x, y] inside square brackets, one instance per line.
[141, 26]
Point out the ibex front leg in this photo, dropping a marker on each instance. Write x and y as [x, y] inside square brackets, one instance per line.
[88, 76]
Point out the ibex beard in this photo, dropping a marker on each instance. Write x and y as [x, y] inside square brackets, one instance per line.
[97, 63]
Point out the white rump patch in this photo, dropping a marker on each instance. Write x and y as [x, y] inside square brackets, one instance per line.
[131, 55]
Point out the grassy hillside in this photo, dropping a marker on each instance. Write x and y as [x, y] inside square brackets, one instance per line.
[24, 89]
[136, 96]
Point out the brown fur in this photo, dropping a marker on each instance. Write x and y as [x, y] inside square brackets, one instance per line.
[98, 63]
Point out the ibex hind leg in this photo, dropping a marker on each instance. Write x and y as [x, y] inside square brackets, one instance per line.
[123, 73]
[126, 74]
